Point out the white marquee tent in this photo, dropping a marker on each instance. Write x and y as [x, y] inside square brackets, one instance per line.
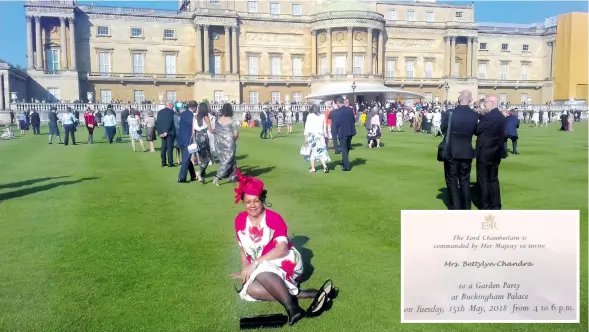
[345, 89]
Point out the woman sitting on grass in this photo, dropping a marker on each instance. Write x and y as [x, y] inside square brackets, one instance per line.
[270, 265]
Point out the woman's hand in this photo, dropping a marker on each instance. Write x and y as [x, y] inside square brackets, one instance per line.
[247, 271]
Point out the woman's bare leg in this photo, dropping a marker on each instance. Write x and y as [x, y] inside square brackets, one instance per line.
[133, 144]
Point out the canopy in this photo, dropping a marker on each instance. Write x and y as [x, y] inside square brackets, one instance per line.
[339, 89]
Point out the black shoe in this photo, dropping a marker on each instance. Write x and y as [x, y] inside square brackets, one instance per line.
[192, 179]
[318, 305]
[171, 165]
[182, 181]
[346, 169]
[164, 165]
[295, 316]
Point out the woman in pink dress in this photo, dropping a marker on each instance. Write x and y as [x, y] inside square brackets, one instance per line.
[271, 266]
[392, 119]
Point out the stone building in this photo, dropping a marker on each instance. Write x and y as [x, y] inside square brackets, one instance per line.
[257, 51]
[13, 85]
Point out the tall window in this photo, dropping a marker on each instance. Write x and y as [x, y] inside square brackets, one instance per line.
[53, 60]
[428, 97]
[429, 69]
[456, 68]
[169, 34]
[392, 14]
[297, 96]
[171, 95]
[218, 96]
[504, 73]
[53, 94]
[297, 9]
[170, 65]
[524, 98]
[136, 32]
[340, 65]
[104, 62]
[482, 71]
[217, 65]
[138, 96]
[409, 68]
[429, 17]
[504, 47]
[253, 97]
[274, 8]
[275, 97]
[483, 46]
[297, 66]
[102, 31]
[525, 71]
[252, 6]
[411, 15]
[252, 65]
[138, 63]
[275, 66]
[105, 96]
[391, 68]
[358, 62]
[323, 65]
[503, 98]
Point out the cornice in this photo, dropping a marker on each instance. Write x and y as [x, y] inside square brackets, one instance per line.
[349, 15]
[141, 18]
[226, 21]
[293, 24]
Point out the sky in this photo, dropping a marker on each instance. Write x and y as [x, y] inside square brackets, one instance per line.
[13, 29]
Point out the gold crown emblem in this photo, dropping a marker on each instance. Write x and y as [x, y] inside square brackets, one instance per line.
[489, 217]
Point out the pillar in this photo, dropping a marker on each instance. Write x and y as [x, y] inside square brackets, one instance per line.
[2, 106]
[452, 56]
[469, 42]
[198, 49]
[62, 42]
[72, 44]
[206, 52]
[475, 52]
[29, 43]
[350, 66]
[227, 51]
[380, 52]
[39, 47]
[369, 52]
[551, 43]
[328, 57]
[446, 56]
[234, 48]
[314, 52]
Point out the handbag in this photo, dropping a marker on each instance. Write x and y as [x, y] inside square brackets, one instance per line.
[444, 146]
[192, 148]
[139, 132]
[305, 150]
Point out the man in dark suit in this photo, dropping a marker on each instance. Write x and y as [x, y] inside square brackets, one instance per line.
[459, 164]
[167, 131]
[345, 124]
[511, 126]
[264, 123]
[333, 128]
[489, 151]
[125, 121]
[36, 122]
[184, 139]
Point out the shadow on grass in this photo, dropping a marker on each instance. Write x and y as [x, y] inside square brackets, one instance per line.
[29, 182]
[475, 196]
[243, 156]
[299, 242]
[34, 190]
[353, 163]
[255, 170]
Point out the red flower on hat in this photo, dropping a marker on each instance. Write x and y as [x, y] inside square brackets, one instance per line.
[247, 185]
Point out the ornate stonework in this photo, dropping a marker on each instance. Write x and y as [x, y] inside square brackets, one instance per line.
[273, 37]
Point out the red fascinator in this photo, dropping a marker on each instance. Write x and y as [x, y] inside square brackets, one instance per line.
[247, 185]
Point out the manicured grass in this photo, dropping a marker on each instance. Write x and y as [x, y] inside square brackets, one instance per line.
[98, 238]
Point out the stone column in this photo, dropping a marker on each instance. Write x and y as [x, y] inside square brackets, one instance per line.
[328, 56]
[29, 43]
[39, 65]
[234, 48]
[72, 44]
[227, 52]
[62, 41]
[469, 57]
[551, 44]
[452, 55]
[2, 106]
[475, 62]
[350, 69]
[380, 52]
[446, 56]
[198, 49]
[369, 52]
[314, 52]
[206, 52]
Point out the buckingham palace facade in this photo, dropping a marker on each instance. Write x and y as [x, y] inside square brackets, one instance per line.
[256, 51]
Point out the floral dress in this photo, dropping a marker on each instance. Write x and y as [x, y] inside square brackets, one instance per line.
[134, 127]
[256, 242]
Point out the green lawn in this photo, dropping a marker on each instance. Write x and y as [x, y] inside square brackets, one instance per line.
[98, 238]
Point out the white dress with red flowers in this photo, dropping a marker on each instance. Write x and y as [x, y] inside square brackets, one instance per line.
[256, 242]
